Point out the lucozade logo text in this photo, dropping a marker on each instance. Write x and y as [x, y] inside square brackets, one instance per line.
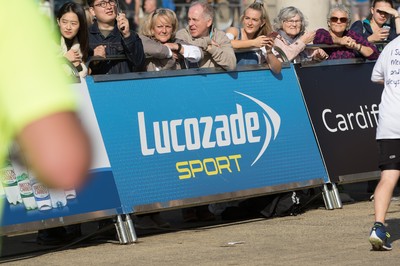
[210, 132]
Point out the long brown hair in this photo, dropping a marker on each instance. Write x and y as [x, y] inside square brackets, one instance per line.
[374, 2]
[259, 6]
[390, 2]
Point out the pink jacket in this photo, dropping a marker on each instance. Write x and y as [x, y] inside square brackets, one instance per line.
[293, 50]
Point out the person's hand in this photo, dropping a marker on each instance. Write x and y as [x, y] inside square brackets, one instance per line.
[348, 42]
[319, 54]
[260, 41]
[73, 56]
[308, 37]
[391, 11]
[269, 44]
[379, 35]
[136, 19]
[375, 36]
[174, 47]
[100, 51]
[383, 34]
[123, 25]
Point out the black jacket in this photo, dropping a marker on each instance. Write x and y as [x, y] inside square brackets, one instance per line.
[115, 44]
[364, 28]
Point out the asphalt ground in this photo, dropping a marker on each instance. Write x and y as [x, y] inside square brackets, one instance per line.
[315, 237]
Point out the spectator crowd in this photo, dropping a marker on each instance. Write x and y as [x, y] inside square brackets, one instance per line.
[93, 31]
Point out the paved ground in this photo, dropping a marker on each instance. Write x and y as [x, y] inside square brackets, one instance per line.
[316, 237]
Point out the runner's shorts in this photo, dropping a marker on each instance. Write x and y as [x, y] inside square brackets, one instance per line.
[389, 154]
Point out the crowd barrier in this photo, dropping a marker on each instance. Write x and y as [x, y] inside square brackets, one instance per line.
[343, 104]
[173, 139]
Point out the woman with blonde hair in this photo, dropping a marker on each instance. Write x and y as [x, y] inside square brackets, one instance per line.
[163, 51]
[254, 33]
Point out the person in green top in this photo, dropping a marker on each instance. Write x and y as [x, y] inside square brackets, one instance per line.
[37, 105]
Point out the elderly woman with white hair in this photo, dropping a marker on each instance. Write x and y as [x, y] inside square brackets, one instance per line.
[292, 36]
[351, 44]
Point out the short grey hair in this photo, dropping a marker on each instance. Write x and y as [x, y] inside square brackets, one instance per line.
[287, 13]
[342, 8]
[208, 10]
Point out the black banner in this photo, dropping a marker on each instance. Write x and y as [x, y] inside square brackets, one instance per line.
[343, 104]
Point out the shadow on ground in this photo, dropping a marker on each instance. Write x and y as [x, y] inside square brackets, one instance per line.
[16, 248]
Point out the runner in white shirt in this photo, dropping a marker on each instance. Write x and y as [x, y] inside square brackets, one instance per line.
[387, 72]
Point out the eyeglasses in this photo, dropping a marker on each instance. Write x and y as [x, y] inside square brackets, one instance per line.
[336, 20]
[292, 21]
[103, 4]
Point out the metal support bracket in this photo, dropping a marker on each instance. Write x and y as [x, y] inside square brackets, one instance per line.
[125, 230]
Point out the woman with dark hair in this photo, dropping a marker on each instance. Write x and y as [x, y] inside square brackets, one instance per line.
[382, 24]
[71, 19]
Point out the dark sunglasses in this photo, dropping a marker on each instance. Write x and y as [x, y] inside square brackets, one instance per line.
[161, 11]
[336, 19]
[380, 12]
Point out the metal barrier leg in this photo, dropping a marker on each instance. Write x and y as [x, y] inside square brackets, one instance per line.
[120, 226]
[130, 229]
[327, 198]
[336, 197]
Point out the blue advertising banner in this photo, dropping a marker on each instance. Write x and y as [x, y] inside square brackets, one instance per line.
[174, 138]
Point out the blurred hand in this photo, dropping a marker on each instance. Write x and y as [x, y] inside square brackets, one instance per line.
[383, 34]
[348, 42]
[269, 44]
[391, 11]
[100, 51]
[308, 37]
[320, 55]
[123, 25]
[73, 57]
[137, 20]
[260, 41]
[174, 48]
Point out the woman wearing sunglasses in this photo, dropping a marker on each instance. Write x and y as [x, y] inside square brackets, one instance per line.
[348, 44]
[382, 24]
